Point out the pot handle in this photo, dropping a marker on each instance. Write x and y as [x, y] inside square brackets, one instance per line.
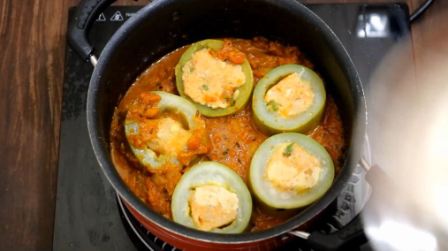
[85, 15]
[351, 235]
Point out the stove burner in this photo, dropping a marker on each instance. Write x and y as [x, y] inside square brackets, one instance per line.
[140, 236]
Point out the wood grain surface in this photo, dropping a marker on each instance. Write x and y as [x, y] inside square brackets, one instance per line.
[32, 44]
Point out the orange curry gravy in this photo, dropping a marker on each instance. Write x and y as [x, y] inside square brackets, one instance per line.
[233, 139]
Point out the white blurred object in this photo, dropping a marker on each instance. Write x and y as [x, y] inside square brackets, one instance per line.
[397, 235]
[408, 128]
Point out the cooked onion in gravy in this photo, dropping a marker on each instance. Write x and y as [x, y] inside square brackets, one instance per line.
[233, 139]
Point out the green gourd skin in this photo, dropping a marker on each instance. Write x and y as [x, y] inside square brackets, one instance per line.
[207, 173]
[168, 102]
[244, 91]
[275, 199]
[269, 121]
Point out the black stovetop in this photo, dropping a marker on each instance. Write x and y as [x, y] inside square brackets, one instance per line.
[88, 216]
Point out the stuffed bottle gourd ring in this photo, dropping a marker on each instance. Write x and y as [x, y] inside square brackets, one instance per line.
[164, 129]
[215, 76]
[212, 197]
[290, 170]
[289, 98]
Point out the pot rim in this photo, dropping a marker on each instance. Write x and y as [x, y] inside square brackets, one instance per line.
[104, 160]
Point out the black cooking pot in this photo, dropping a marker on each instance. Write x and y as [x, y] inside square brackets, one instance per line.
[165, 25]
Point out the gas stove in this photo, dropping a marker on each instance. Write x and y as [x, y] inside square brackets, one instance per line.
[89, 216]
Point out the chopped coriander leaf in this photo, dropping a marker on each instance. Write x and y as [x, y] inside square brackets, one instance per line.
[205, 87]
[288, 150]
[273, 106]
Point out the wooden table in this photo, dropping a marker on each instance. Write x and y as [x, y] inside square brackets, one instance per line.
[32, 45]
